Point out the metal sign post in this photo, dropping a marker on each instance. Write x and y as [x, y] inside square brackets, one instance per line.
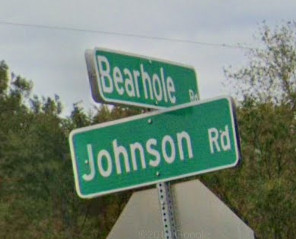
[166, 201]
[167, 210]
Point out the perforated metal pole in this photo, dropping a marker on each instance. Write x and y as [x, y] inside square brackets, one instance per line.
[167, 210]
[167, 207]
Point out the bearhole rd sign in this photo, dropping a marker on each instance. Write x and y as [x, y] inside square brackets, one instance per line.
[122, 78]
[160, 146]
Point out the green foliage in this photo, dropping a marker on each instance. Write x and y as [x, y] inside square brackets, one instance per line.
[270, 74]
[3, 77]
[262, 189]
[268, 143]
[37, 195]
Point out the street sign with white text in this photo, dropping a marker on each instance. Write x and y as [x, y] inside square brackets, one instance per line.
[154, 147]
[123, 78]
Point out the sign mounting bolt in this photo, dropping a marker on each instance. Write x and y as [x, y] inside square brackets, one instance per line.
[149, 121]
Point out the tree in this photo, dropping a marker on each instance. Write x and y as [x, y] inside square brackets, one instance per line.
[270, 74]
[265, 192]
[37, 195]
[36, 183]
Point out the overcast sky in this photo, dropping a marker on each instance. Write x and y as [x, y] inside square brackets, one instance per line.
[44, 41]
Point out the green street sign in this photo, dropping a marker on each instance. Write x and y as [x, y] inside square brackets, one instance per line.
[163, 145]
[122, 78]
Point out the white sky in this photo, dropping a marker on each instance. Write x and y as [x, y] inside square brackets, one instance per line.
[54, 58]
